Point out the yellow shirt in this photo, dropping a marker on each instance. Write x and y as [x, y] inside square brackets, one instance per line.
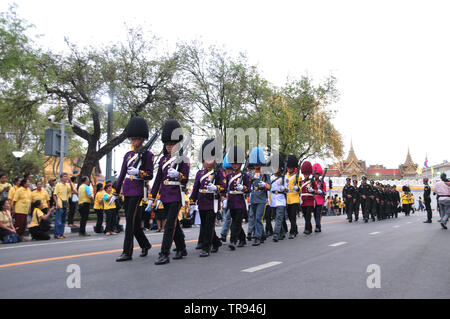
[406, 198]
[98, 201]
[35, 218]
[5, 218]
[82, 195]
[105, 202]
[22, 198]
[42, 195]
[293, 197]
[62, 192]
[12, 191]
[4, 185]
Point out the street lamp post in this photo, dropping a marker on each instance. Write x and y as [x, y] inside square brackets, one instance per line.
[108, 100]
[18, 155]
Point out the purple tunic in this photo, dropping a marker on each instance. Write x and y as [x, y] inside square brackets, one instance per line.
[205, 201]
[237, 201]
[170, 193]
[135, 187]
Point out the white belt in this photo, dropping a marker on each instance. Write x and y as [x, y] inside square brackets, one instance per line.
[307, 195]
[166, 182]
[132, 178]
[205, 191]
[236, 192]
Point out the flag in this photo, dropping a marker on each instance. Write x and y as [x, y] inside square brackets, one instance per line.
[419, 170]
[425, 164]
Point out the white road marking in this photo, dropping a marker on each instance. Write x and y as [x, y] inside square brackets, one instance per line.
[60, 242]
[338, 244]
[263, 266]
[374, 233]
[408, 222]
[396, 226]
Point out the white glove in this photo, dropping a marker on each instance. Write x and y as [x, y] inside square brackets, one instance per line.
[301, 201]
[320, 192]
[282, 188]
[240, 187]
[149, 205]
[211, 188]
[173, 173]
[224, 204]
[133, 171]
[295, 188]
[261, 184]
[310, 189]
[112, 199]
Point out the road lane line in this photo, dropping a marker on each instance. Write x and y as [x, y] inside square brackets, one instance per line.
[263, 266]
[374, 233]
[338, 244]
[396, 226]
[35, 261]
[45, 244]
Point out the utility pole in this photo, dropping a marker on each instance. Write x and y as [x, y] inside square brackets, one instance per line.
[61, 150]
[110, 108]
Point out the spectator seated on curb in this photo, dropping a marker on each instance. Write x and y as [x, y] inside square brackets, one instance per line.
[7, 231]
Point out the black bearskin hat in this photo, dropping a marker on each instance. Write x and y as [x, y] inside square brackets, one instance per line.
[168, 127]
[237, 155]
[137, 127]
[209, 155]
[292, 161]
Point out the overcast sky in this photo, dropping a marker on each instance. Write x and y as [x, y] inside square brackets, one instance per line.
[391, 58]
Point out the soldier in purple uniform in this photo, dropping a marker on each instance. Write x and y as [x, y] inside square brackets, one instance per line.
[209, 183]
[170, 182]
[132, 181]
[237, 187]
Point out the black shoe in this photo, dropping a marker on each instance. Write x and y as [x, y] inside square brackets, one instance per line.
[249, 237]
[232, 246]
[262, 240]
[275, 239]
[427, 222]
[180, 254]
[307, 232]
[257, 242]
[366, 221]
[199, 246]
[123, 257]
[84, 234]
[204, 253]
[356, 219]
[223, 238]
[291, 236]
[241, 244]
[349, 220]
[282, 238]
[162, 259]
[443, 226]
[317, 230]
[145, 251]
[215, 249]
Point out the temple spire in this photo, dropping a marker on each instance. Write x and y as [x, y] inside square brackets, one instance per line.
[351, 153]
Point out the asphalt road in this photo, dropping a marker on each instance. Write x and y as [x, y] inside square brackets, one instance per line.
[413, 260]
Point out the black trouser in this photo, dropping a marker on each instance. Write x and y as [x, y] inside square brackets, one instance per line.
[72, 209]
[307, 212]
[318, 215]
[145, 216]
[110, 215]
[236, 226]
[208, 234]
[356, 209]
[380, 210]
[268, 217]
[38, 234]
[84, 213]
[98, 226]
[292, 210]
[407, 209]
[395, 210]
[369, 208]
[349, 208]
[428, 209]
[172, 229]
[133, 227]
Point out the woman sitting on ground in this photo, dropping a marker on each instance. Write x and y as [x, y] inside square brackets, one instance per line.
[6, 224]
[35, 226]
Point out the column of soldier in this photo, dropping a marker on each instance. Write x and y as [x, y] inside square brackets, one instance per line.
[277, 196]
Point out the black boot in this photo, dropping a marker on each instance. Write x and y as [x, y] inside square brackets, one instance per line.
[232, 246]
[123, 257]
[162, 259]
[215, 249]
[145, 251]
[204, 253]
[291, 236]
[180, 254]
[256, 242]
[223, 238]
[249, 237]
[199, 245]
[318, 230]
[241, 243]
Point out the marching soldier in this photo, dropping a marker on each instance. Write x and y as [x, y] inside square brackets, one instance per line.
[132, 182]
[396, 200]
[356, 200]
[373, 196]
[364, 192]
[169, 182]
[320, 190]
[258, 197]
[226, 212]
[293, 194]
[237, 186]
[209, 183]
[278, 187]
[307, 196]
[427, 200]
[348, 195]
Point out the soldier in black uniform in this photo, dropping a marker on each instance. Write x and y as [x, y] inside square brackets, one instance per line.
[381, 200]
[396, 202]
[374, 200]
[356, 199]
[347, 195]
[427, 199]
[389, 201]
[365, 191]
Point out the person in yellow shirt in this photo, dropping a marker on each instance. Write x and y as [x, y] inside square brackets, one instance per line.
[160, 214]
[84, 203]
[293, 197]
[4, 187]
[61, 196]
[34, 227]
[12, 191]
[21, 206]
[7, 229]
[98, 207]
[406, 200]
[109, 210]
[41, 194]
